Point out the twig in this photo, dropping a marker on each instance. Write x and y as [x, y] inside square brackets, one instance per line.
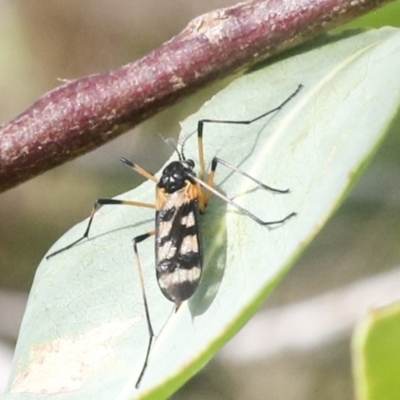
[83, 114]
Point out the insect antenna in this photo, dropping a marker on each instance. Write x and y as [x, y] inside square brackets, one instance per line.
[182, 141]
[172, 142]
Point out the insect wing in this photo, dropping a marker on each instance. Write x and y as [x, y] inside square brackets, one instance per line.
[179, 255]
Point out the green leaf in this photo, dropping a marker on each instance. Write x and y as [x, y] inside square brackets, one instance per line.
[84, 333]
[376, 354]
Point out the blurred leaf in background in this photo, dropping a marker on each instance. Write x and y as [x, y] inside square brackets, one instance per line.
[376, 353]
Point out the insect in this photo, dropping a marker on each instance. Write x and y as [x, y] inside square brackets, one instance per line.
[181, 197]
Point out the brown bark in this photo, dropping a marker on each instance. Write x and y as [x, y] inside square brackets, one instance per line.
[83, 114]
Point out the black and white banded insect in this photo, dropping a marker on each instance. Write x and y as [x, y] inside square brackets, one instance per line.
[181, 197]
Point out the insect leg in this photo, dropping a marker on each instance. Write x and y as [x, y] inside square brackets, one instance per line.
[101, 202]
[238, 207]
[200, 126]
[214, 164]
[139, 170]
[137, 240]
[98, 203]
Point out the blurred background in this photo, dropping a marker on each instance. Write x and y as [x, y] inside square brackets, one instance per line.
[356, 256]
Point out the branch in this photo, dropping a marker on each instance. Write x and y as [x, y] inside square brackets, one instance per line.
[86, 113]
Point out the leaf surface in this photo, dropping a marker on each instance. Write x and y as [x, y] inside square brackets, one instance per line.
[84, 333]
[376, 354]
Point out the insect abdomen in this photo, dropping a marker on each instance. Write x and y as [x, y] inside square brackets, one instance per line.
[177, 282]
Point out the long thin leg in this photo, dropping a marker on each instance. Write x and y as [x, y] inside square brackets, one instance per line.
[98, 203]
[137, 240]
[240, 208]
[101, 202]
[200, 126]
[214, 164]
[139, 170]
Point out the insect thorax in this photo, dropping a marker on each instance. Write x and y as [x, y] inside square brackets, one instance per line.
[175, 175]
